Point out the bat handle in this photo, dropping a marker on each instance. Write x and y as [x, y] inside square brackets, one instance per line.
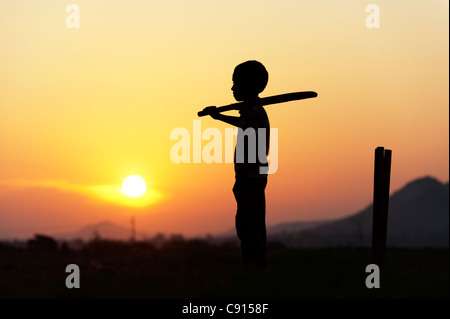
[224, 108]
[202, 113]
[207, 110]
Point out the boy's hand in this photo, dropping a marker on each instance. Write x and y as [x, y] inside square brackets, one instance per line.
[212, 111]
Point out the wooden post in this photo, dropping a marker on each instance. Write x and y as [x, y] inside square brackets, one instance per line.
[385, 208]
[382, 174]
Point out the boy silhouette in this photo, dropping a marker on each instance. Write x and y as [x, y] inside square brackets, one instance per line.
[249, 79]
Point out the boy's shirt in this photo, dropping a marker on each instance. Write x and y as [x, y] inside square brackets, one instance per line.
[253, 116]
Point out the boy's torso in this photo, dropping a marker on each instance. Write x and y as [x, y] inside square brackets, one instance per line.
[254, 117]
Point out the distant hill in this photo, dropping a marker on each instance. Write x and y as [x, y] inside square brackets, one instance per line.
[418, 217]
[103, 230]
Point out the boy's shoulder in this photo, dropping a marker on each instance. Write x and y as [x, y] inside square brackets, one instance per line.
[255, 116]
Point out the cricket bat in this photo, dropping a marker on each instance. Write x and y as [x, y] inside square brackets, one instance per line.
[266, 101]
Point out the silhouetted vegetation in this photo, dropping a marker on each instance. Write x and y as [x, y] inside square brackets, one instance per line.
[180, 268]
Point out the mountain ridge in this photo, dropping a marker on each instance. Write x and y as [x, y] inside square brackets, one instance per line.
[418, 217]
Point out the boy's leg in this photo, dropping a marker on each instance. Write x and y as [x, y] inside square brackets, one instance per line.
[250, 221]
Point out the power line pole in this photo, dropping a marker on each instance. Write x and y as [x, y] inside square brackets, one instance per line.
[133, 229]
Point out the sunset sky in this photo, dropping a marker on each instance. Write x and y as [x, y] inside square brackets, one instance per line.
[83, 108]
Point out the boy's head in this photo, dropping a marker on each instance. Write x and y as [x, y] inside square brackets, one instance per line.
[249, 79]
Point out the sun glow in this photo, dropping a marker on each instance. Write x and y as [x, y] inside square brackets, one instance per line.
[105, 192]
[134, 186]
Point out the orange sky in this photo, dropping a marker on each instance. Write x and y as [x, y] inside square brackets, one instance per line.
[81, 109]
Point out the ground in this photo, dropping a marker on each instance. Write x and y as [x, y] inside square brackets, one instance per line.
[197, 269]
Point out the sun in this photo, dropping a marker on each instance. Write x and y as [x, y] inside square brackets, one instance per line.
[134, 186]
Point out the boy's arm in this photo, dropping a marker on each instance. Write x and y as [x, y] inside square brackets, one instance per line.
[232, 120]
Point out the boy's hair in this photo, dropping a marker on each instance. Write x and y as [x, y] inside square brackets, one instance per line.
[253, 73]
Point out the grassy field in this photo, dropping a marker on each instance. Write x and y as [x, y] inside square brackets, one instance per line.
[198, 269]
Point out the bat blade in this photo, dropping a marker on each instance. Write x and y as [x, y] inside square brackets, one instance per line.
[282, 98]
[288, 97]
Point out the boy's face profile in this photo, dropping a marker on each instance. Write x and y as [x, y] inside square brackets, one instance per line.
[242, 88]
